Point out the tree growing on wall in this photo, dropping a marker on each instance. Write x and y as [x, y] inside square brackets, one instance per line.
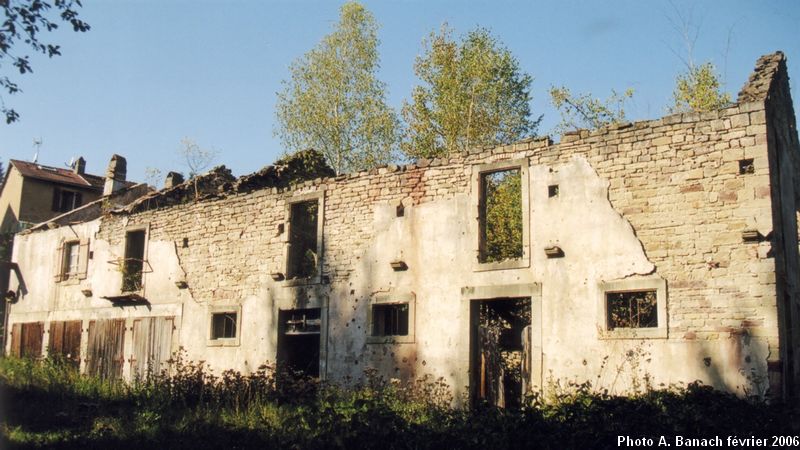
[472, 93]
[197, 159]
[698, 89]
[22, 22]
[585, 111]
[333, 101]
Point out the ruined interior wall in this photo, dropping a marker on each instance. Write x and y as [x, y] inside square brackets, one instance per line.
[784, 155]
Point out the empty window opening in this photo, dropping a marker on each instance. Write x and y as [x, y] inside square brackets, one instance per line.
[501, 351]
[299, 341]
[552, 190]
[303, 258]
[64, 200]
[390, 319]
[134, 261]
[632, 309]
[69, 266]
[400, 211]
[223, 325]
[746, 166]
[501, 216]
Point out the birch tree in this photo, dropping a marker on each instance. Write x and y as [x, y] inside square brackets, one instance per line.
[472, 93]
[333, 101]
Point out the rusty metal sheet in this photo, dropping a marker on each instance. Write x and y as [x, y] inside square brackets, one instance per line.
[65, 341]
[105, 357]
[152, 346]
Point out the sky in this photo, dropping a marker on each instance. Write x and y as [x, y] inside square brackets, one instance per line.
[150, 73]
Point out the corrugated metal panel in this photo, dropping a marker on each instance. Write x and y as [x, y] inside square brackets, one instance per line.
[105, 350]
[152, 346]
[65, 341]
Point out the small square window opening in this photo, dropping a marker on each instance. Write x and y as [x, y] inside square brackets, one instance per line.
[633, 309]
[552, 190]
[746, 166]
[390, 320]
[223, 325]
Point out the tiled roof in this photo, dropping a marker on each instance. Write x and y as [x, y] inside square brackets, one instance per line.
[59, 175]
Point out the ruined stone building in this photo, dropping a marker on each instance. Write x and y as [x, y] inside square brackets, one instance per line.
[661, 251]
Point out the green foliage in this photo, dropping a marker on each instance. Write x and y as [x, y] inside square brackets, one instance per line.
[473, 93]
[503, 216]
[698, 90]
[22, 22]
[47, 404]
[584, 111]
[333, 102]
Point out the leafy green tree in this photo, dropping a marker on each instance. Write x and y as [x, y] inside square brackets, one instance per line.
[473, 93]
[333, 101]
[585, 111]
[698, 89]
[22, 21]
[503, 216]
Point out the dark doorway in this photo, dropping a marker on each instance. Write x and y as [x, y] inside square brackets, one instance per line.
[500, 344]
[298, 341]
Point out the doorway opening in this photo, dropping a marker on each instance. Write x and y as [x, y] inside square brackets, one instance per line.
[299, 341]
[500, 343]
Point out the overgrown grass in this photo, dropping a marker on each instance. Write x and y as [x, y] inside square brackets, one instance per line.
[48, 404]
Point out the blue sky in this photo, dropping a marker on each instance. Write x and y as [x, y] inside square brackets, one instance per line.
[152, 72]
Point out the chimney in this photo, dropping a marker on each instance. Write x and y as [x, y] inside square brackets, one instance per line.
[115, 175]
[79, 166]
[173, 179]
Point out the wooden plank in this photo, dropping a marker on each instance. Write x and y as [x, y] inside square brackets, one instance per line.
[65, 341]
[105, 350]
[152, 346]
[32, 336]
[16, 340]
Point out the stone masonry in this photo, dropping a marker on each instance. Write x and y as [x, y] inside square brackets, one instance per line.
[702, 205]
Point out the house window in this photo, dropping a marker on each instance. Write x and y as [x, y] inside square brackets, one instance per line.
[70, 264]
[64, 200]
[133, 262]
[390, 320]
[223, 325]
[633, 308]
[72, 259]
[304, 239]
[502, 230]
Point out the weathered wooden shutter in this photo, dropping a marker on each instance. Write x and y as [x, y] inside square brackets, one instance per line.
[152, 346]
[59, 263]
[105, 350]
[83, 259]
[32, 339]
[65, 341]
[16, 339]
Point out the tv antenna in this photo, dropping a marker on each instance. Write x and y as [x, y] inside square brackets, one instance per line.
[38, 144]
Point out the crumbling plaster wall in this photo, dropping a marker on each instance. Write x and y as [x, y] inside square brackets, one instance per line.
[660, 198]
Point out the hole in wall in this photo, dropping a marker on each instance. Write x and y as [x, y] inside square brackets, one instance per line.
[746, 166]
[552, 190]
